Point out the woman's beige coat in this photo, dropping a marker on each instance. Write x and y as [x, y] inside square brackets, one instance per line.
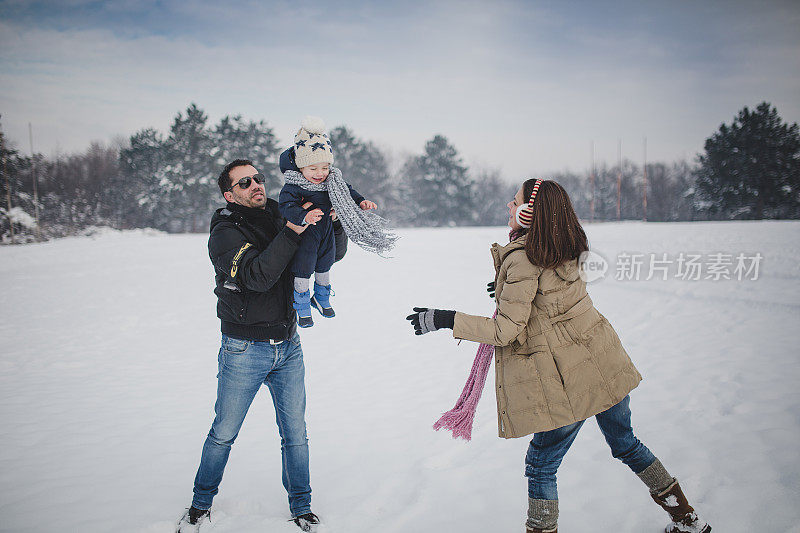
[557, 359]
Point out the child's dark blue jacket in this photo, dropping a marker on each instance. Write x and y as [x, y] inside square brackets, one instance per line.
[317, 247]
[292, 197]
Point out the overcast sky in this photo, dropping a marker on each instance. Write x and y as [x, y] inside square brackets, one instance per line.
[524, 87]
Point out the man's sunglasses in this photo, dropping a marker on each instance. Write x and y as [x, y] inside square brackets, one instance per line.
[244, 183]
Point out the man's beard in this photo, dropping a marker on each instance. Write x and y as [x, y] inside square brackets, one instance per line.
[249, 201]
[261, 202]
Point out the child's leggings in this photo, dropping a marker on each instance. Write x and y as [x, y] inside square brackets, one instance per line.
[317, 250]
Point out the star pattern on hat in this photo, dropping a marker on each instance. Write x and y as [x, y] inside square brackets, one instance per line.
[301, 142]
[311, 135]
[316, 146]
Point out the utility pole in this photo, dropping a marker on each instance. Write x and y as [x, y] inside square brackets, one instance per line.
[619, 178]
[591, 181]
[644, 174]
[8, 185]
[35, 185]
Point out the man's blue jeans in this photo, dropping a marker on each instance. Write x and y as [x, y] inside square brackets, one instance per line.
[548, 448]
[243, 367]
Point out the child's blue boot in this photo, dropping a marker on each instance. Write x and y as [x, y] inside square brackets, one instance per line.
[322, 300]
[302, 304]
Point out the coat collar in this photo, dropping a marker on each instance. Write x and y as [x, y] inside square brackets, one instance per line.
[500, 252]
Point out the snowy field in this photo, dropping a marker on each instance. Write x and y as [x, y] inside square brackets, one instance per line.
[107, 386]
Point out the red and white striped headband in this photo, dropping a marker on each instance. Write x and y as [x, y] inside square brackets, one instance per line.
[525, 211]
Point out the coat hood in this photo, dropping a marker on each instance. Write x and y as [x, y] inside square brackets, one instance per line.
[219, 215]
[287, 162]
[569, 271]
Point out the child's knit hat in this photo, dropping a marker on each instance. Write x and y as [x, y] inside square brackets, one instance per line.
[311, 143]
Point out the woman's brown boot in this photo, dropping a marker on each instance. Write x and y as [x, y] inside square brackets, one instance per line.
[684, 519]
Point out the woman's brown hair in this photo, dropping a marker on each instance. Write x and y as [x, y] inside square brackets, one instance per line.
[555, 235]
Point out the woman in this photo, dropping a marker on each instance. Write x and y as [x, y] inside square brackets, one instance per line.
[558, 360]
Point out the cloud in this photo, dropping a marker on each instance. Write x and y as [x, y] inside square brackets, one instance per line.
[521, 88]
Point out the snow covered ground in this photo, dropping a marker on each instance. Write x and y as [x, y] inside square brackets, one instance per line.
[107, 385]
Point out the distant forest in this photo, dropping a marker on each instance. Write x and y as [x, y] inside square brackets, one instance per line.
[750, 169]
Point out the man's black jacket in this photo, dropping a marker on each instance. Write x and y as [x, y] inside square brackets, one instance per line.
[251, 249]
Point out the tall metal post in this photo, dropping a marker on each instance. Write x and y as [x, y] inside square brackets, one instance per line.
[591, 181]
[644, 174]
[619, 178]
[35, 185]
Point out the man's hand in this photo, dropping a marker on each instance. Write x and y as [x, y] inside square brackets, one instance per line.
[294, 227]
[333, 215]
[490, 288]
[425, 320]
[313, 216]
[366, 205]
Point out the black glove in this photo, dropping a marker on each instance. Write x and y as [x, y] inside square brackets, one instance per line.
[425, 320]
[490, 288]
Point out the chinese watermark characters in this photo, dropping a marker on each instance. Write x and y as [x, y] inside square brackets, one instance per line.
[688, 266]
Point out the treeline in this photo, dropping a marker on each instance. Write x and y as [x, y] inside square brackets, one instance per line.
[168, 182]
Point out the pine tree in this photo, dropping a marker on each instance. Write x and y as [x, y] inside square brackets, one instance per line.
[438, 190]
[141, 201]
[16, 200]
[191, 183]
[235, 138]
[751, 168]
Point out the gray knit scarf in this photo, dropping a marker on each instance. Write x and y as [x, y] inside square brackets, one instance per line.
[365, 228]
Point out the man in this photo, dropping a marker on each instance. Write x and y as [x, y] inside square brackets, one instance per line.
[250, 247]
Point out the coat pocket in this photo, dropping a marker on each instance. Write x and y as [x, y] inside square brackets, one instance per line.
[570, 356]
[531, 344]
[233, 306]
[579, 374]
[572, 333]
[520, 341]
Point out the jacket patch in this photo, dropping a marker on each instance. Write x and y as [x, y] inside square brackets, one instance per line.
[235, 262]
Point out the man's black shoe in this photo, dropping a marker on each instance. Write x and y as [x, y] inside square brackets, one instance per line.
[307, 522]
[192, 519]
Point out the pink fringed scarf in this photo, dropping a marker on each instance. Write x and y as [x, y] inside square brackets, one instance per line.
[459, 418]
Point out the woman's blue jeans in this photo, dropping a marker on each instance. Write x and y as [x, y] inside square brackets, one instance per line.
[548, 448]
[243, 367]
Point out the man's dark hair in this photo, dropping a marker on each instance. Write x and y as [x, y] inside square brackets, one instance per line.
[224, 180]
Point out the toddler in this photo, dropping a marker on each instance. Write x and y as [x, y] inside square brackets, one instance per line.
[316, 194]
